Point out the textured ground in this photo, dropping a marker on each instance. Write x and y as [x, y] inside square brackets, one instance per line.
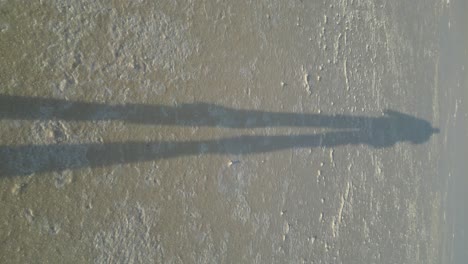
[344, 204]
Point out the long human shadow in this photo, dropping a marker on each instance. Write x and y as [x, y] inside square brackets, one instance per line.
[195, 114]
[377, 132]
[28, 159]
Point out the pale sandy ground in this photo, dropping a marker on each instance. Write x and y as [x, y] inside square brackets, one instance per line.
[453, 164]
[351, 203]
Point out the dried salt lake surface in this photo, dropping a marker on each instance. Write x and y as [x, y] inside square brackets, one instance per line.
[224, 132]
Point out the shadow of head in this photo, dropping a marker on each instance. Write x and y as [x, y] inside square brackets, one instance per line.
[408, 128]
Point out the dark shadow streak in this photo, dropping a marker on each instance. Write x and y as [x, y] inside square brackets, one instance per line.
[24, 160]
[378, 132]
[196, 114]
